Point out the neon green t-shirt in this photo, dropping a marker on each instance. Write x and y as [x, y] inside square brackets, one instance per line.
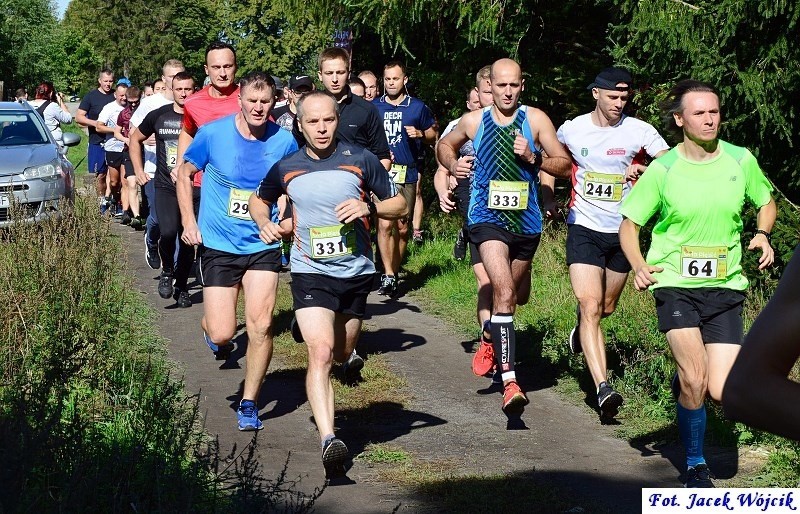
[697, 238]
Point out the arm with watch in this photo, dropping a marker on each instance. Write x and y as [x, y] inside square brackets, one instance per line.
[761, 239]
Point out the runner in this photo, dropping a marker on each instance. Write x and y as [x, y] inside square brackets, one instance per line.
[235, 151]
[693, 266]
[112, 147]
[165, 123]
[608, 150]
[407, 122]
[130, 194]
[332, 268]
[357, 86]
[371, 91]
[88, 110]
[504, 217]
[298, 86]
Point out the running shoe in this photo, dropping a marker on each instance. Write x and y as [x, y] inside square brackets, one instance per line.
[334, 455]
[514, 400]
[182, 298]
[125, 218]
[388, 286]
[460, 248]
[248, 416]
[295, 329]
[675, 386]
[165, 289]
[221, 352]
[483, 361]
[151, 254]
[699, 476]
[137, 223]
[353, 366]
[609, 402]
[574, 335]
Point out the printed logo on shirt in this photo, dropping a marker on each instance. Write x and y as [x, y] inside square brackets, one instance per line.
[347, 152]
[584, 152]
[393, 126]
[615, 151]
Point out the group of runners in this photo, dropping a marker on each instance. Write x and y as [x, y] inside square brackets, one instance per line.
[234, 183]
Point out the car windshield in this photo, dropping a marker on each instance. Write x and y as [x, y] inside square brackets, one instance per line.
[20, 128]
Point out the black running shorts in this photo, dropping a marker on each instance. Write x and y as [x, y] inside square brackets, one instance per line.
[114, 159]
[342, 295]
[223, 269]
[716, 311]
[587, 246]
[520, 246]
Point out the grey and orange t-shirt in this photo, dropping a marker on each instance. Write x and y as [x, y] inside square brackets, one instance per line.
[315, 187]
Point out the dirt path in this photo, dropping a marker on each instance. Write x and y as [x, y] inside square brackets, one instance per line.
[453, 416]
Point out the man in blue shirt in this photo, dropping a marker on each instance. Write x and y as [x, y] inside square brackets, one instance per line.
[235, 151]
[408, 124]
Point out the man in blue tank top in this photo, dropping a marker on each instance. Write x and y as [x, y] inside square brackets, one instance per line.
[235, 151]
[504, 217]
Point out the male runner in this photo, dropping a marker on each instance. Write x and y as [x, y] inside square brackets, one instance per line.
[332, 266]
[371, 91]
[165, 123]
[130, 195]
[505, 220]
[88, 110]
[407, 121]
[112, 147]
[298, 86]
[608, 150]
[234, 151]
[698, 190]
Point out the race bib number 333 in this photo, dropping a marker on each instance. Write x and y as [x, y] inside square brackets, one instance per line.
[508, 195]
[332, 241]
[605, 187]
[237, 204]
[704, 262]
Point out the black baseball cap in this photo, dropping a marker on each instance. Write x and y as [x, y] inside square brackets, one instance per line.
[610, 77]
[297, 81]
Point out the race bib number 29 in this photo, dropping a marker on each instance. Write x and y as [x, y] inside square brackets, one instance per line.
[704, 262]
[237, 204]
[508, 195]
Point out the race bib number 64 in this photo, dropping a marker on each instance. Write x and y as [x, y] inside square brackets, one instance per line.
[704, 262]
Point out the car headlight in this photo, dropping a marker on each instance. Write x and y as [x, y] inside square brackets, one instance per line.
[51, 169]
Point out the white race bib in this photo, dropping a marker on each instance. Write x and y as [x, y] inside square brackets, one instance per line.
[237, 204]
[332, 241]
[507, 195]
[704, 262]
[398, 173]
[606, 187]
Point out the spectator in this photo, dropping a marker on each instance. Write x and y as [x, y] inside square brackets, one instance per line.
[52, 108]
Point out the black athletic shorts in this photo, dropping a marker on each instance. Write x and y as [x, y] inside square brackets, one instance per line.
[223, 269]
[114, 159]
[126, 161]
[717, 311]
[587, 246]
[461, 196]
[342, 295]
[520, 246]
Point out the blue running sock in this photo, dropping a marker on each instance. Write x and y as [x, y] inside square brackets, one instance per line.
[692, 427]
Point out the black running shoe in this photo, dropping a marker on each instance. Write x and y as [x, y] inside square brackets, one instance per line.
[334, 455]
[126, 218]
[165, 289]
[609, 402]
[699, 476]
[151, 255]
[295, 329]
[353, 366]
[388, 286]
[137, 223]
[460, 248]
[182, 298]
[574, 335]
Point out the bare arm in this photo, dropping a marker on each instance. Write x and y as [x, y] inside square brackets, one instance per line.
[135, 152]
[184, 140]
[102, 128]
[390, 209]
[634, 171]
[441, 182]
[629, 241]
[261, 212]
[82, 120]
[547, 183]
[769, 351]
[764, 221]
[555, 162]
[447, 149]
[183, 187]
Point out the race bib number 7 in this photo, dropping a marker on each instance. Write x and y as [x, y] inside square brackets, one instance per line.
[605, 187]
[237, 204]
[508, 195]
[398, 173]
[332, 241]
[704, 262]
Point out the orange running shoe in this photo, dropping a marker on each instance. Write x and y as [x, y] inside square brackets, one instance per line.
[514, 400]
[483, 360]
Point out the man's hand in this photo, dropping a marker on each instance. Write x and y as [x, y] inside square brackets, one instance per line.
[643, 277]
[270, 232]
[463, 167]
[634, 171]
[350, 210]
[191, 235]
[523, 149]
[173, 174]
[413, 132]
[767, 253]
[142, 178]
[551, 211]
[446, 201]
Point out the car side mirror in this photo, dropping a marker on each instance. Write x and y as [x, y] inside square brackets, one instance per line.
[70, 139]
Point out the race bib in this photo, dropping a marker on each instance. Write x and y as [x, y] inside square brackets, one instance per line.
[605, 187]
[332, 241]
[704, 262]
[398, 173]
[507, 195]
[237, 204]
[172, 156]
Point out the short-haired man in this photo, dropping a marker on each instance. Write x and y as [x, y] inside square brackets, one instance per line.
[371, 90]
[88, 110]
[357, 86]
[234, 151]
[112, 147]
[408, 123]
[163, 96]
[609, 151]
[130, 195]
[164, 124]
[505, 220]
[332, 266]
[21, 94]
[299, 85]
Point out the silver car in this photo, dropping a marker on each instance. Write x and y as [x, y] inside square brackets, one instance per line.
[34, 170]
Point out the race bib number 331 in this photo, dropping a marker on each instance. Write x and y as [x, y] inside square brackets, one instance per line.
[508, 195]
[332, 241]
[237, 204]
[704, 262]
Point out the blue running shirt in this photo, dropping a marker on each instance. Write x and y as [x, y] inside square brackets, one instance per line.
[411, 112]
[234, 166]
[505, 190]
